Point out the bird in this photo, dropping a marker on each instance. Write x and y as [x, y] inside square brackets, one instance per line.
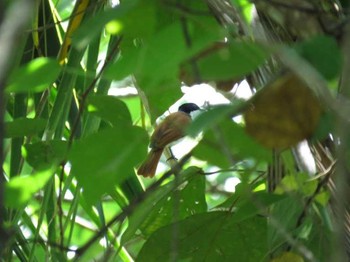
[172, 128]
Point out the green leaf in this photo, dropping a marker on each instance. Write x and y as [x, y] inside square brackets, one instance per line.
[168, 48]
[297, 182]
[36, 76]
[246, 8]
[21, 127]
[237, 60]
[291, 206]
[20, 189]
[123, 19]
[156, 65]
[189, 199]
[45, 153]
[110, 109]
[125, 65]
[324, 54]
[228, 141]
[249, 204]
[214, 236]
[143, 210]
[103, 160]
[319, 238]
[326, 125]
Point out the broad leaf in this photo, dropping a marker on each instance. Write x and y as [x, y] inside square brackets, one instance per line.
[110, 109]
[238, 59]
[324, 54]
[19, 190]
[103, 160]
[35, 76]
[186, 200]
[140, 217]
[214, 236]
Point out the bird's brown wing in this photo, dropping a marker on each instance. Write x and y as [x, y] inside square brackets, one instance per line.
[170, 130]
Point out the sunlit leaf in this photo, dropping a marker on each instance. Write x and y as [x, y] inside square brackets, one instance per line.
[35, 76]
[246, 7]
[214, 236]
[19, 190]
[297, 182]
[125, 15]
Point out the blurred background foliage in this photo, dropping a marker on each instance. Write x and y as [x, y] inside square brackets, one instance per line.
[266, 177]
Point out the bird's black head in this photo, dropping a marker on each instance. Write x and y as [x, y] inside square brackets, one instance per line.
[188, 108]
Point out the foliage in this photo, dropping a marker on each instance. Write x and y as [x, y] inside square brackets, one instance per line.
[69, 190]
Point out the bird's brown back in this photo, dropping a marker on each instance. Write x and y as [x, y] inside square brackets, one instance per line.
[171, 129]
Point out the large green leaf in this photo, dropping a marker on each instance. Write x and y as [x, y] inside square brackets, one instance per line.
[24, 127]
[19, 190]
[103, 160]
[237, 60]
[111, 109]
[214, 236]
[141, 216]
[320, 236]
[187, 200]
[324, 54]
[125, 65]
[293, 206]
[35, 76]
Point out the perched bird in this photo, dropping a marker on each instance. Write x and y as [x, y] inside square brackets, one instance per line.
[169, 130]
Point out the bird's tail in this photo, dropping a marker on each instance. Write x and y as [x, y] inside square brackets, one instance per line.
[149, 166]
